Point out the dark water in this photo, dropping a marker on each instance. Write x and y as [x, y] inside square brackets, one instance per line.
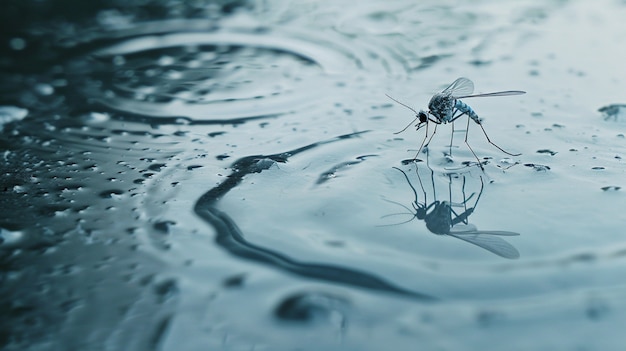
[225, 175]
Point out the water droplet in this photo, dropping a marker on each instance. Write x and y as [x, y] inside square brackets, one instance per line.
[164, 226]
[157, 167]
[8, 237]
[96, 117]
[10, 114]
[235, 281]
[107, 194]
[596, 308]
[44, 89]
[166, 61]
[119, 60]
[311, 306]
[546, 151]
[17, 44]
[538, 168]
[166, 289]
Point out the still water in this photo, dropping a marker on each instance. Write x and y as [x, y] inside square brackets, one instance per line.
[225, 176]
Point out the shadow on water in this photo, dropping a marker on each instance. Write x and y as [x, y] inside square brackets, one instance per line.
[230, 237]
[441, 218]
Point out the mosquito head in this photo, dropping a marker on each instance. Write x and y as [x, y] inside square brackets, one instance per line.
[423, 117]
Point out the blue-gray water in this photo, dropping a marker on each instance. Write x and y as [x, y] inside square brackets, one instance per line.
[225, 176]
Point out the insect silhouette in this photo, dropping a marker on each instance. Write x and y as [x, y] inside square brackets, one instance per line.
[446, 107]
[441, 219]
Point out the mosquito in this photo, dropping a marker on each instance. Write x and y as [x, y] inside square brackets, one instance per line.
[446, 107]
[441, 219]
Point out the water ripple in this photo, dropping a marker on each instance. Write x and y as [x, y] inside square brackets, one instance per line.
[218, 74]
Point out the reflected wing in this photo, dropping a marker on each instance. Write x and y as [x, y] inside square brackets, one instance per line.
[498, 93]
[489, 241]
[460, 87]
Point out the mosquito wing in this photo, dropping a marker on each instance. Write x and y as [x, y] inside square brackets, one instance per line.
[460, 87]
[488, 240]
[498, 93]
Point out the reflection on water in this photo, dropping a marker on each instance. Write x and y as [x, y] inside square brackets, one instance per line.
[612, 111]
[441, 218]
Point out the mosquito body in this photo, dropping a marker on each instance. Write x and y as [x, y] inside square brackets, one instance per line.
[446, 107]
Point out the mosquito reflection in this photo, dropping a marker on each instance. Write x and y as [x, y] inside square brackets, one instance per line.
[445, 217]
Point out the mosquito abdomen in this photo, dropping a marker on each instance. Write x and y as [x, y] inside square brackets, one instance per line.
[463, 107]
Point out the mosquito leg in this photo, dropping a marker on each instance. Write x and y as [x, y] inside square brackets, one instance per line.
[470, 148]
[421, 184]
[465, 199]
[454, 118]
[491, 142]
[450, 190]
[451, 139]
[427, 143]
[480, 193]
[422, 145]
[432, 181]
[457, 116]
[408, 181]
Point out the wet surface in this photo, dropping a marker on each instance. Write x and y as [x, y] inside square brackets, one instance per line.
[226, 175]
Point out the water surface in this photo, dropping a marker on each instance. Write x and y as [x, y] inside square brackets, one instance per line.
[228, 177]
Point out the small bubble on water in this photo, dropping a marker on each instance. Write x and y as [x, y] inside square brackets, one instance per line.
[17, 44]
[172, 74]
[119, 60]
[96, 117]
[44, 89]
[165, 61]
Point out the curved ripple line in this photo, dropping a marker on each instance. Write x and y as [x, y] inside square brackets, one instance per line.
[192, 90]
[230, 237]
[332, 61]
